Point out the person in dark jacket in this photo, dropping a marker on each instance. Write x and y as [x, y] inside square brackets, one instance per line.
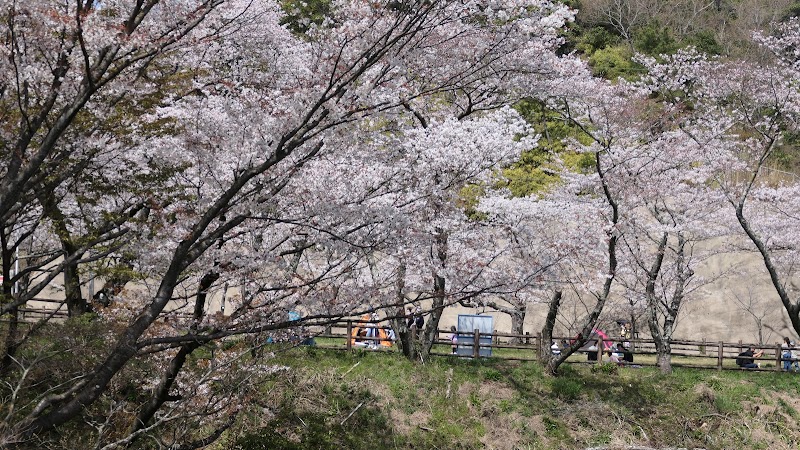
[627, 355]
[745, 359]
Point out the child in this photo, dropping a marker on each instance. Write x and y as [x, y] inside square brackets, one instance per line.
[786, 354]
[454, 339]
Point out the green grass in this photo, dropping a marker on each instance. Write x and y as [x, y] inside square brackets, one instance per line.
[460, 403]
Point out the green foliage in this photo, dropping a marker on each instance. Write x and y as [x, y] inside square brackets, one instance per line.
[705, 42]
[654, 40]
[301, 14]
[469, 196]
[537, 169]
[614, 62]
[605, 368]
[792, 11]
[581, 162]
[594, 39]
[491, 374]
[524, 181]
[568, 389]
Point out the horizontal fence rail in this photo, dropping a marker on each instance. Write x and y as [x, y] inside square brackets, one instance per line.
[376, 336]
[526, 347]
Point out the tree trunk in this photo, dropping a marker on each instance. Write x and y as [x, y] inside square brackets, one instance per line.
[545, 355]
[76, 304]
[9, 341]
[431, 331]
[517, 324]
[405, 336]
[590, 322]
[10, 344]
[664, 358]
[161, 394]
[517, 314]
[792, 307]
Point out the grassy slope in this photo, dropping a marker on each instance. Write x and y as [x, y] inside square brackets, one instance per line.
[452, 404]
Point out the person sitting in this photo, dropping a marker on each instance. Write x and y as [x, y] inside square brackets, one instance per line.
[360, 340]
[626, 355]
[591, 353]
[613, 357]
[745, 360]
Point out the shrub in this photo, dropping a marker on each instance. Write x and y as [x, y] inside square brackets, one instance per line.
[606, 368]
[614, 62]
[567, 388]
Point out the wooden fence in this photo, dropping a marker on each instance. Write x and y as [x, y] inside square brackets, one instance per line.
[41, 308]
[507, 346]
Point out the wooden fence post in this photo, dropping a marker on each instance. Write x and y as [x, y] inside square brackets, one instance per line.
[527, 338]
[719, 355]
[778, 358]
[476, 344]
[349, 335]
[538, 343]
[496, 338]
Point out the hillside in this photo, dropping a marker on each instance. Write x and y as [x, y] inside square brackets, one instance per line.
[331, 400]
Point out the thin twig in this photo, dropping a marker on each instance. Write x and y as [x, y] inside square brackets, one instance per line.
[351, 369]
[351, 413]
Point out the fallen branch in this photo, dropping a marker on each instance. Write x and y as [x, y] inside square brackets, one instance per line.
[351, 369]
[352, 412]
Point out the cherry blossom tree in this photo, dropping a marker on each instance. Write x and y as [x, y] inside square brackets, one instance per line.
[236, 118]
[646, 193]
[745, 115]
[440, 255]
[572, 224]
[662, 183]
[674, 217]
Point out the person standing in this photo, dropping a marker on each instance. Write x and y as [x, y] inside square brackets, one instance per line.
[453, 340]
[786, 353]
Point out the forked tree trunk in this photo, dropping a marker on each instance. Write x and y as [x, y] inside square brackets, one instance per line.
[553, 362]
[517, 314]
[661, 329]
[550, 361]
